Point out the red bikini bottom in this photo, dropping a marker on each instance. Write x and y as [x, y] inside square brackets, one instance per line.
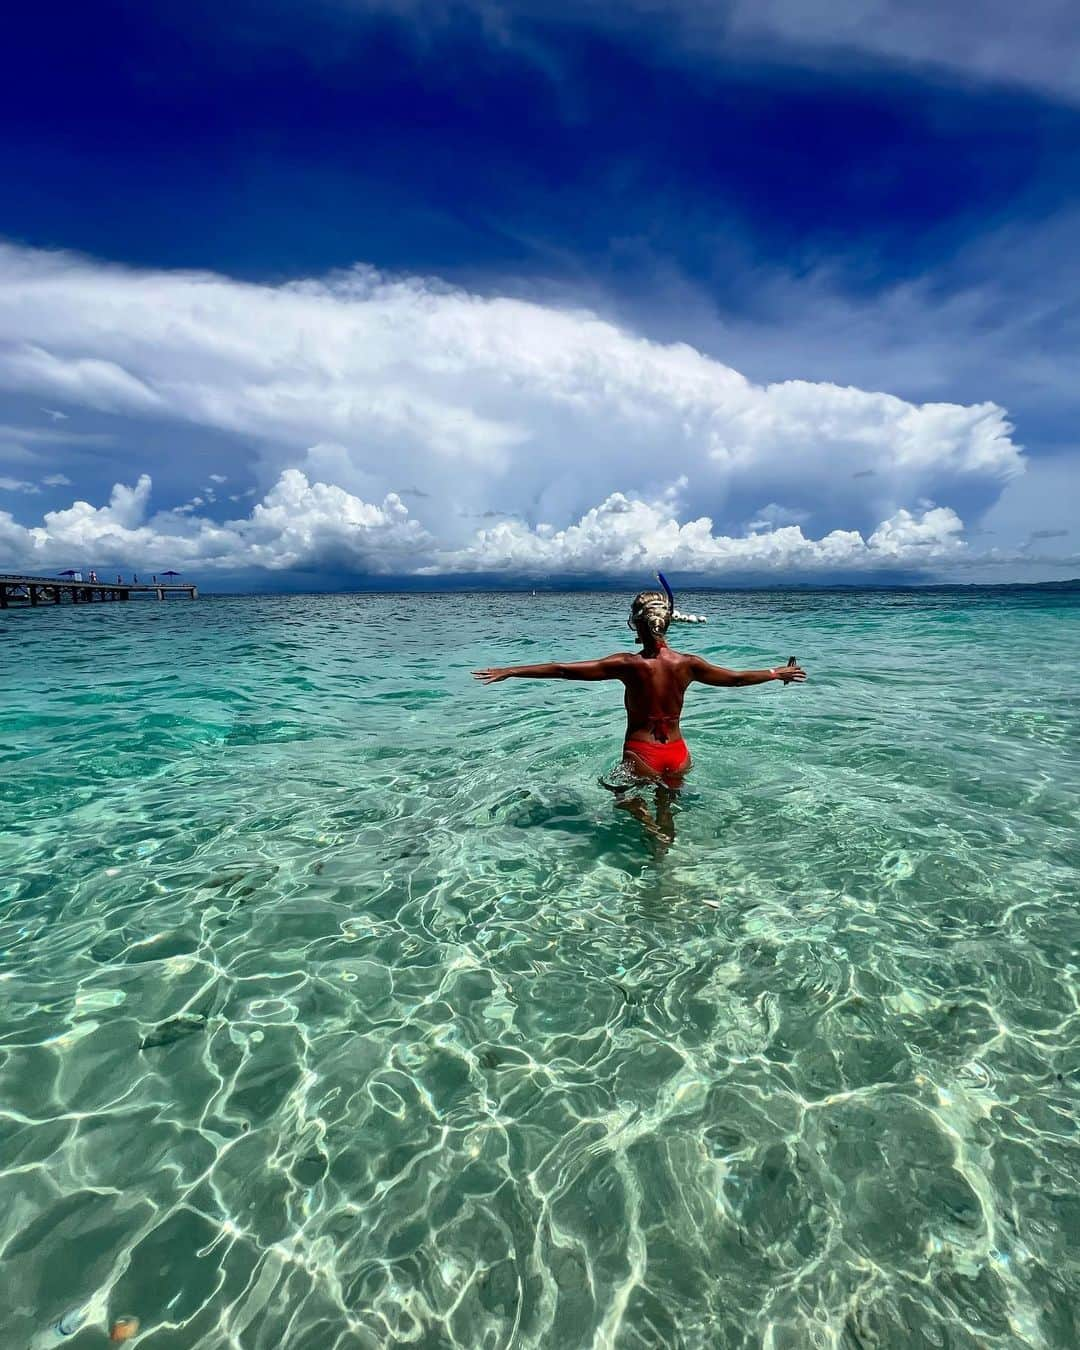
[666, 757]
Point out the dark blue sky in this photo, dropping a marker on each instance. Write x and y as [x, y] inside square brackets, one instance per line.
[795, 209]
[287, 140]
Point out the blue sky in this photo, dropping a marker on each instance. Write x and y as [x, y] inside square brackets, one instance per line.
[347, 290]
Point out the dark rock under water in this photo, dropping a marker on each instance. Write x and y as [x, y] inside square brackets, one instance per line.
[175, 1029]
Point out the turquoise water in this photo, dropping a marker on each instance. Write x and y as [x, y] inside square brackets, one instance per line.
[340, 1008]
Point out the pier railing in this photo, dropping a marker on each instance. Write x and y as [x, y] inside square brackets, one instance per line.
[16, 589]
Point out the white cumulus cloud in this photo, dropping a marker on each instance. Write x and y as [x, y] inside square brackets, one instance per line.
[296, 524]
[300, 524]
[624, 535]
[481, 404]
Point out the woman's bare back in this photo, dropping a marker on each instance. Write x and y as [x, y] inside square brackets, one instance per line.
[655, 689]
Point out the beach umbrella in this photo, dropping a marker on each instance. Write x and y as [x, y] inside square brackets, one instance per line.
[170, 574]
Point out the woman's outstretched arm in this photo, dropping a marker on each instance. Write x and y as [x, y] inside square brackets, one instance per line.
[706, 673]
[607, 668]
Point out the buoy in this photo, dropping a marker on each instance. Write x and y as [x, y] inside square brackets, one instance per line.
[124, 1328]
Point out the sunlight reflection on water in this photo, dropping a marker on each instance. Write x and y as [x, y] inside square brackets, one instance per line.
[341, 1008]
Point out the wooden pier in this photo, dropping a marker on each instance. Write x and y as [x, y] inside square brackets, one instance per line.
[25, 590]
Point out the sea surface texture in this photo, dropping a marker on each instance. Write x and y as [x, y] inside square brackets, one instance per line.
[341, 1008]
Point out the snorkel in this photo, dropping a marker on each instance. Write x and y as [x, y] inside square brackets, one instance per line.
[657, 610]
[668, 592]
[676, 617]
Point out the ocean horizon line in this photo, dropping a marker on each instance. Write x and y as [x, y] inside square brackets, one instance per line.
[207, 590]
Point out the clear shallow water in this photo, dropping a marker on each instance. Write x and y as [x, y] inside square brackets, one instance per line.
[439, 1049]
